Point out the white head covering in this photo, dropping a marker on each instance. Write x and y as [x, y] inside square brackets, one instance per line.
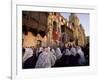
[53, 51]
[28, 54]
[79, 51]
[67, 52]
[58, 53]
[48, 49]
[73, 51]
[40, 49]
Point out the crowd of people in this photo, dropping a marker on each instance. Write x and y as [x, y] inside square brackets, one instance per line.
[47, 56]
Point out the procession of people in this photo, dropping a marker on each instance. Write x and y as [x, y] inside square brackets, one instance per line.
[56, 56]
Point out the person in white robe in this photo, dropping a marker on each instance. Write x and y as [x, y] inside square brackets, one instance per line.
[73, 51]
[58, 53]
[52, 56]
[43, 60]
[28, 53]
[82, 57]
[67, 52]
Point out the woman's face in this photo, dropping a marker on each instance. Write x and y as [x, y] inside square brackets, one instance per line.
[46, 49]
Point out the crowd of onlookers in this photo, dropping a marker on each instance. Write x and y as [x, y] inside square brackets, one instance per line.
[46, 56]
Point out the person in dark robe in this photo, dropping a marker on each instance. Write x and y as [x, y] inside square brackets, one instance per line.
[59, 57]
[73, 59]
[30, 62]
[28, 53]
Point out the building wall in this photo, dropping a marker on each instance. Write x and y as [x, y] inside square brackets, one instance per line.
[38, 22]
[78, 30]
[48, 22]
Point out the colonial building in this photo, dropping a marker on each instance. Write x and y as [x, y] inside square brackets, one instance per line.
[34, 26]
[51, 28]
[56, 25]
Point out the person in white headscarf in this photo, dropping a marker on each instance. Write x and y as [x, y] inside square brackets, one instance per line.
[67, 52]
[28, 53]
[53, 51]
[52, 56]
[43, 60]
[58, 53]
[82, 57]
[73, 51]
[73, 57]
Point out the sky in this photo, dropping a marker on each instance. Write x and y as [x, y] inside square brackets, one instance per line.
[84, 20]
